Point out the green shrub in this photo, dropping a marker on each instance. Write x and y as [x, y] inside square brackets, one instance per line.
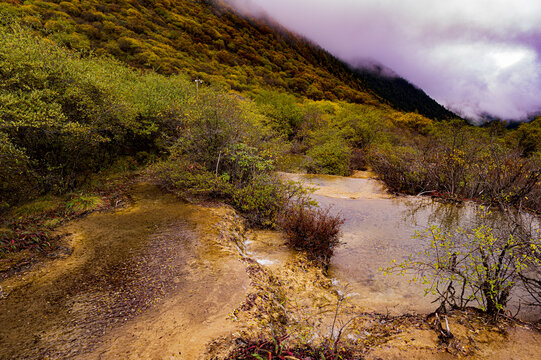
[414, 121]
[528, 136]
[16, 178]
[480, 265]
[401, 168]
[332, 157]
[224, 153]
[264, 197]
[283, 113]
[461, 162]
[242, 163]
[64, 117]
[260, 198]
[186, 179]
[211, 126]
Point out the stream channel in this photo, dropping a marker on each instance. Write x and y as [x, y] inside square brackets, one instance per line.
[153, 280]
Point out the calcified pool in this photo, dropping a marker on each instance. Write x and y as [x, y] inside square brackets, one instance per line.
[378, 228]
[143, 282]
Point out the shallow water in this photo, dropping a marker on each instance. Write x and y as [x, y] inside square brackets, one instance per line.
[378, 228]
[151, 261]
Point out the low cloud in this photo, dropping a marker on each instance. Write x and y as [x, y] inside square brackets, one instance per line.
[473, 56]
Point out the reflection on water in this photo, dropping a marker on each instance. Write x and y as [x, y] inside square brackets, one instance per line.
[379, 229]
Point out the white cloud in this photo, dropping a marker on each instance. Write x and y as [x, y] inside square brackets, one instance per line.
[475, 56]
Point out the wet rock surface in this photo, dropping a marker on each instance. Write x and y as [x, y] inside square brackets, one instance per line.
[162, 279]
[122, 265]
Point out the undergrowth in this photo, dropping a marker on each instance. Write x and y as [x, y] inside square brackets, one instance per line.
[313, 230]
[274, 349]
[31, 226]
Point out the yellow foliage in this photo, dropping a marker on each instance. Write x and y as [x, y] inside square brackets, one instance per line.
[414, 122]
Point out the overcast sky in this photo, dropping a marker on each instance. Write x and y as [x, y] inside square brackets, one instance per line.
[473, 56]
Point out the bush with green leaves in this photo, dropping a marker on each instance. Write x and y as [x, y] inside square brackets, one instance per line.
[69, 115]
[242, 163]
[332, 157]
[223, 153]
[232, 170]
[211, 126]
[283, 113]
[16, 178]
[476, 266]
[265, 197]
[188, 179]
[259, 198]
[461, 162]
[401, 168]
[528, 136]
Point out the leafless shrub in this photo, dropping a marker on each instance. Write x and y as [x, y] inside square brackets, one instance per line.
[313, 230]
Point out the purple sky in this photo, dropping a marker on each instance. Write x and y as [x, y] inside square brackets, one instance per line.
[473, 56]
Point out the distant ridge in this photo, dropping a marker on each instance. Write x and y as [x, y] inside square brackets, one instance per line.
[401, 94]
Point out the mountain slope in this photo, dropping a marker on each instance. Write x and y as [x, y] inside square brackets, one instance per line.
[208, 41]
[401, 94]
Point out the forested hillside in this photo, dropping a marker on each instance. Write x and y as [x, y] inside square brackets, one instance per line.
[209, 41]
[69, 111]
[401, 94]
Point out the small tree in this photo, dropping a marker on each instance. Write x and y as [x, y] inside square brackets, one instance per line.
[479, 265]
[212, 125]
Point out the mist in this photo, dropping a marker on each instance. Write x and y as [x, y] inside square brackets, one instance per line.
[475, 57]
